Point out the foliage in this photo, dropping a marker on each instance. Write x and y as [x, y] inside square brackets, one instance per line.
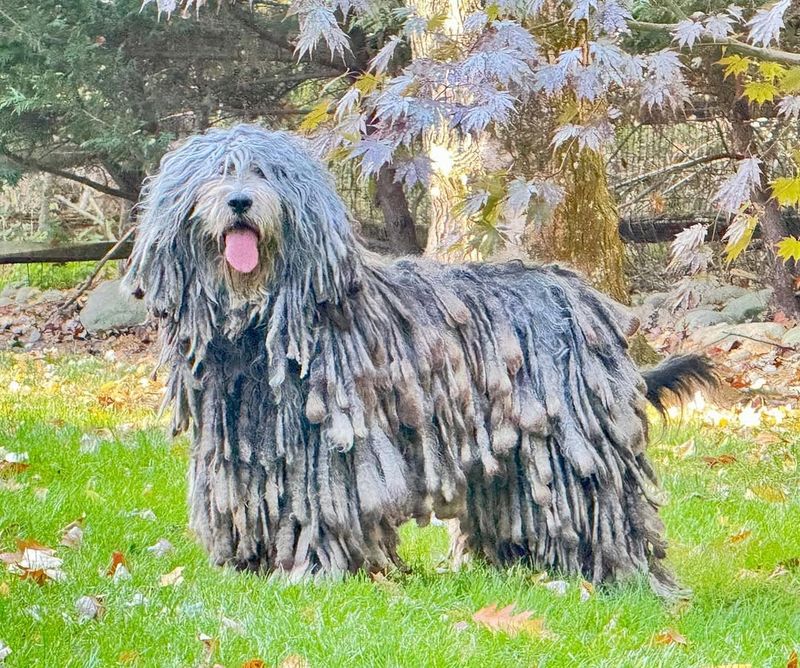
[99, 88]
[761, 81]
[47, 276]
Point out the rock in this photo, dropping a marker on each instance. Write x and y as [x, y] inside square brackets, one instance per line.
[754, 337]
[11, 290]
[109, 307]
[722, 294]
[6, 301]
[51, 296]
[26, 294]
[698, 318]
[655, 300]
[748, 306]
[791, 338]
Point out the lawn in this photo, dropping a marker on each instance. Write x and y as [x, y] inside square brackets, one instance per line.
[97, 450]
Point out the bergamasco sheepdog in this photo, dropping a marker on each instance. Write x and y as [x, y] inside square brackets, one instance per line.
[333, 395]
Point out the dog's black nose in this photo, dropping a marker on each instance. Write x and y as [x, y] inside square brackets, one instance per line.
[240, 203]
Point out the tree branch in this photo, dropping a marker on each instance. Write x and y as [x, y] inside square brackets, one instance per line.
[735, 45]
[687, 164]
[35, 165]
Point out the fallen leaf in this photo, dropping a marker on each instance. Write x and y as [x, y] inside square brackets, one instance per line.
[294, 661]
[767, 438]
[72, 536]
[173, 578]
[254, 663]
[129, 656]
[669, 637]
[461, 626]
[34, 561]
[117, 561]
[5, 590]
[232, 624]
[89, 607]
[12, 463]
[686, 449]
[792, 662]
[719, 460]
[502, 619]
[765, 493]
[587, 590]
[210, 645]
[162, 547]
[740, 537]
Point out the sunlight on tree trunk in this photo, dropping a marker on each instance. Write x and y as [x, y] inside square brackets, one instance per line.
[453, 157]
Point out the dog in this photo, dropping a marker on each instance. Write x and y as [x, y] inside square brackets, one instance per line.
[333, 395]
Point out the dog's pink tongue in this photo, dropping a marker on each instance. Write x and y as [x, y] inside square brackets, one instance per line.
[241, 250]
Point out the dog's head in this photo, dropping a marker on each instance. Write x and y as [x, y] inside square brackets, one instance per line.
[233, 214]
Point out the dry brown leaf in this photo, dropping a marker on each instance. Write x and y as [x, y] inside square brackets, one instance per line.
[254, 663]
[503, 619]
[89, 607]
[767, 438]
[294, 661]
[72, 535]
[669, 637]
[173, 578]
[117, 561]
[210, 644]
[5, 590]
[740, 537]
[765, 493]
[720, 460]
[587, 590]
[792, 662]
[34, 561]
[8, 469]
[686, 449]
[128, 656]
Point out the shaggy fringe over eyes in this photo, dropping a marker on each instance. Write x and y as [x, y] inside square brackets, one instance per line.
[355, 394]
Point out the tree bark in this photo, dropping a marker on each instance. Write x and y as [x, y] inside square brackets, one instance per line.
[773, 227]
[45, 198]
[585, 230]
[391, 200]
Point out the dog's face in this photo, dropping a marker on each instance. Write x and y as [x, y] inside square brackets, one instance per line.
[240, 215]
[232, 217]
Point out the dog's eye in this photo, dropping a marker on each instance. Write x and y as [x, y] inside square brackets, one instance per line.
[258, 172]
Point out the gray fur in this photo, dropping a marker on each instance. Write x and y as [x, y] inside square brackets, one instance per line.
[347, 395]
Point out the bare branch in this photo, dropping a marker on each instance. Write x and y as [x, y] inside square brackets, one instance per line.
[35, 165]
[687, 164]
[735, 45]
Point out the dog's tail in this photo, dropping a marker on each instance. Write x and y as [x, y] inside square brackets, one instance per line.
[680, 376]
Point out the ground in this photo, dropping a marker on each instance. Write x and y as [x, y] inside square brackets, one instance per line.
[82, 443]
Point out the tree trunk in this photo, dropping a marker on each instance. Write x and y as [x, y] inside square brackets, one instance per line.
[391, 199]
[584, 232]
[452, 156]
[773, 227]
[45, 198]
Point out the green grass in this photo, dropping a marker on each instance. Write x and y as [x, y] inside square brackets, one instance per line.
[50, 276]
[738, 614]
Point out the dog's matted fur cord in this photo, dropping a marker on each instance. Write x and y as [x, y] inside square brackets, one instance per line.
[341, 395]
